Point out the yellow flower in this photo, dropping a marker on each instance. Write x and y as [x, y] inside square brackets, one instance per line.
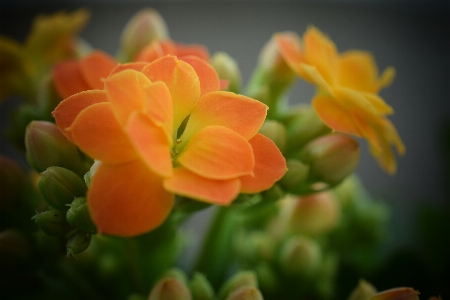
[347, 86]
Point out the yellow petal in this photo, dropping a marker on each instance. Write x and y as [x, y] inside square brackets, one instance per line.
[127, 199]
[242, 114]
[270, 166]
[209, 79]
[217, 152]
[97, 132]
[358, 70]
[184, 182]
[151, 143]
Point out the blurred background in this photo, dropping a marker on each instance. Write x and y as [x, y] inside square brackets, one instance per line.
[412, 36]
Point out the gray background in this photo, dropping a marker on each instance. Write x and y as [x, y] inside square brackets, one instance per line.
[412, 36]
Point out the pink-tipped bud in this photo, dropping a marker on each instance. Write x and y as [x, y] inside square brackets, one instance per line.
[363, 291]
[227, 69]
[400, 293]
[170, 288]
[300, 255]
[246, 293]
[143, 28]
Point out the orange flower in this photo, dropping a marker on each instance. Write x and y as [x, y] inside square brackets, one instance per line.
[73, 76]
[348, 84]
[135, 127]
[160, 48]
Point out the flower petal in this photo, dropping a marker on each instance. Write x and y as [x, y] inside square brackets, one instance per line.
[96, 66]
[196, 50]
[270, 165]
[68, 79]
[182, 81]
[125, 93]
[289, 46]
[68, 109]
[184, 182]
[209, 79]
[138, 66]
[217, 152]
[237, 112]
[151, 143]
[381, 107]
[127, 199]
[155, 50]
[97, 132]
[334, 115]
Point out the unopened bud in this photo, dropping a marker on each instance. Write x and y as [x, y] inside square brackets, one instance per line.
[52, 222]
[401, 293]
[78, 242]
[170, 288]
[314, 214]
[246, 293]
[272, 63]
[78, 215]
[60, 187]
[227, 69]
[302, 126]
[201, 288]
[363, 291]
[46, 146]
[144, 27]
[331, 158]
[275, 131]
[296, 174]
[300, 255]
[238, 280]
[12, 179]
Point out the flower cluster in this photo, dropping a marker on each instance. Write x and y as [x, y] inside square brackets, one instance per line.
[123, 148]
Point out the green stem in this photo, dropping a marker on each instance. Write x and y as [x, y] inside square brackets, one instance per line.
[215, 256]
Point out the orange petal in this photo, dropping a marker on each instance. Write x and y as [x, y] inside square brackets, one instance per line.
[125, 92]
[97, 132]
[68, 79]
[237, 112]
[151, 143]
[312, 75]
[381, 107]
[334, 115]
[209, 79]
[127, 199]
[217, 152]
[270, 165]
[155, 50]
[138, 66]
[184, 182]
[290, 49]
[68, 109]
[358, 70]
[159, 106]
[182, 81]
[196, 50]
[96, 66]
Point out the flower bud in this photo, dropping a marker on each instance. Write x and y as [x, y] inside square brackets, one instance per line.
[144, 27]
[52, 222]
[363, 291]
[275, 131]
[314, 214]
[238, 280]
[201, 288]
[255, 246]
[60, 186]
[78, 215]
[296, 174]
[78, 242]
[246, 293]
[46, 146]
[227, 69]
[401, 293]
[12, 179]
[300, 255]
[272, 63]
[170, 288]
[302, 126]
[331, 158]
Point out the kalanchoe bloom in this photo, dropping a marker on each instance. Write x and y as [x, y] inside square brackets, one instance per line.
[160, 48]
[348, 84]
[134, 127]
[73, 76]
[52, 38]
